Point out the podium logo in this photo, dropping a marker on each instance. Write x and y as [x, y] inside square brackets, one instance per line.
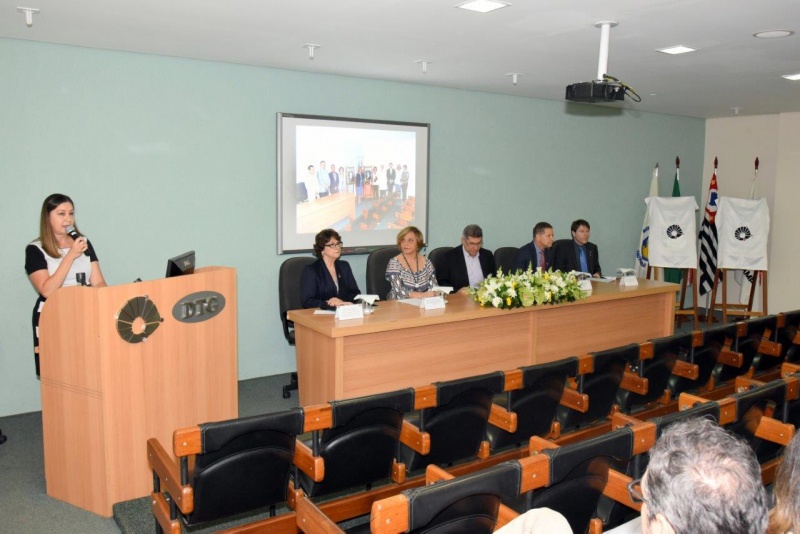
[198, 307]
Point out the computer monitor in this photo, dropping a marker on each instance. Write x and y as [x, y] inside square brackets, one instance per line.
[180, 265]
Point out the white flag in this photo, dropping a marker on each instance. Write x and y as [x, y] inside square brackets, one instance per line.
[642, 253]
[743, 231]
[672, 232]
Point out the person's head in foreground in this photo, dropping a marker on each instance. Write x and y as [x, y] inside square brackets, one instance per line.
[702, 479]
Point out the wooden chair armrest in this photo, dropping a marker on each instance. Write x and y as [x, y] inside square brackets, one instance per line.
[537, 444]
[646, 350]
[304, 459]
[697, 338]
[390, 515]
[743, 383]
[687, 400]
[160, 508]
[595, 526]
[633, 382]
[769, 348]
[166, 468]
[792, 387]
[585, 364]
[644, 437]
[398, 472]
[434, 473]
[513, 380]
[413, 438]
[619, 420]
[187, 441]
[727, 411]
[504, 516]
[317, 417]
[535, 472]
[577, 401]
[687, 370]
[789, 368]
[555, 430]
[728, 357]
[502, 418]
[773, 430]
[617, 489]
[424, 397]
[310, 519]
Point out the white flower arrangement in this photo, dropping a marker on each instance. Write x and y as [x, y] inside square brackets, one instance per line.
[527, 288]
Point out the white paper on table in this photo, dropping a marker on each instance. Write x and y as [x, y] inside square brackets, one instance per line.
[442, 289]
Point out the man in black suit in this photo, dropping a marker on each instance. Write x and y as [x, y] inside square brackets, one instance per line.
[539, 252]
[467, 265]
[578, 254]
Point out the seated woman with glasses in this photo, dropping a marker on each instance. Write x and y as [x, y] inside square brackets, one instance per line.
[410, 274]
[328, 282]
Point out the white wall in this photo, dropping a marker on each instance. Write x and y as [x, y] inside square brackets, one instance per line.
[774, 139]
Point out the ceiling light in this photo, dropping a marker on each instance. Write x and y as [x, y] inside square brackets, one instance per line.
[424, 63]
[674, 50]
[793, 77]
[311, 47]
[29, 13]
[482, 6]
[773, 34]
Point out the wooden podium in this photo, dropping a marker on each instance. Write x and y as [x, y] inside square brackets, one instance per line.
[123, 364]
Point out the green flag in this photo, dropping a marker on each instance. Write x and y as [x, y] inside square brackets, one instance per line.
[674, 275]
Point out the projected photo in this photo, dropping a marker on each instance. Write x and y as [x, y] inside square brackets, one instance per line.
[365, 179]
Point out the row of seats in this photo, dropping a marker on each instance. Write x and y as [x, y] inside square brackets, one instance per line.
[236, 466]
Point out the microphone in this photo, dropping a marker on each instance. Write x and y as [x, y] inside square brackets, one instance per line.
[73, 233]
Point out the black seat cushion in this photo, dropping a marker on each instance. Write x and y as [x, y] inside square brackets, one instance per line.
[361, 445]
[535, 404]
[244, 465]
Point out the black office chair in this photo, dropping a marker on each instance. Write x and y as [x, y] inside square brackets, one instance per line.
[359, 446]
[504, 258]
[376, 271]
[535, 403]
[436, 255]
[289, 299]
[223, 469]
[601, 385]
[457, 424]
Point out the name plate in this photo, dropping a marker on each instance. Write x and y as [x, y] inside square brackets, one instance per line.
[432, 303]
[628, 281]
[349, 311]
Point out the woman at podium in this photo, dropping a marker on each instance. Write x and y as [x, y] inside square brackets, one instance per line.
[61, 256]
[328, 281]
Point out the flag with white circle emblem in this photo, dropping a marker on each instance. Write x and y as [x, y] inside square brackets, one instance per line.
[672, 232]
[743, 231]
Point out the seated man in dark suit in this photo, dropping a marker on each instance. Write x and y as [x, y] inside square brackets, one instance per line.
[467, 265]
[577, 254]
[539, 252]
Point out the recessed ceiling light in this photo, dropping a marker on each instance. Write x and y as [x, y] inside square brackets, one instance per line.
[773, 34]
[793, 77]
[674, 50]
[482, 6]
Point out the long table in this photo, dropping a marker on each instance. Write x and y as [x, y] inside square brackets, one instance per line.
[402, 346]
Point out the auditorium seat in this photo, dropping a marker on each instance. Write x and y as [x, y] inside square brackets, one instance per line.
[580, 473]
[289, 276]
[437, 255]
[717, 344]
[694, 361]
[376, 271]
[504, 258]
[534, 403]
[223, 469]
[354, 442]
[648, 379]
[456, 424]
[761, 338]
[789, 336]
[600, 385]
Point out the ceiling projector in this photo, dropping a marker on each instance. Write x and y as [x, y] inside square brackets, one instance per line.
[604, 88]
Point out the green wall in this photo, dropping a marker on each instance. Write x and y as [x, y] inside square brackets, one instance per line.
[162, 155]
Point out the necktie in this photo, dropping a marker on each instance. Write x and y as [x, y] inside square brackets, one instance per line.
[541, 260]
[584, 265]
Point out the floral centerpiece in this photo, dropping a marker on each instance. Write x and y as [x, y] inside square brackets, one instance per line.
[527, 288]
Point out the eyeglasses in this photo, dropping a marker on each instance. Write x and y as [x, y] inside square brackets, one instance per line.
[473, 244]
[335, 245]
[635, 491]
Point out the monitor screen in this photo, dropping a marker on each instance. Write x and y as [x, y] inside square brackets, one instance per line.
[366, 179]
[180, 265]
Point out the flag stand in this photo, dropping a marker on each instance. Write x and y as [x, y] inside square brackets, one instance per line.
[746, 310]
[681, 311]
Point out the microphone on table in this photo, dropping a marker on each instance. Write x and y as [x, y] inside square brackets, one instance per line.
[73, 233]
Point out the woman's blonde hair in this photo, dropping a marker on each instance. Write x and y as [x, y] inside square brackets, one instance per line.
[408, 230]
